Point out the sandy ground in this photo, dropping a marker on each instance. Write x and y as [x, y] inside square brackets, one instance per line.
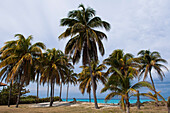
[79, 107]
[57, 104]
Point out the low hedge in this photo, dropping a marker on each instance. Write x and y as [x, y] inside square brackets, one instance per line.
[32, 99]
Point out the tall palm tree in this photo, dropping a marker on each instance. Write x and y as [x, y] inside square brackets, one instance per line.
[53, 68]
[81, 25]
[149, 61]
[22, 54]
[122, 69]
[70, 78]
[85, 78]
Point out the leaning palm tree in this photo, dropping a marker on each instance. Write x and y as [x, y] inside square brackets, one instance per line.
[85, 78]
[5, 71]
[4, 74]
[149, 61]
[53, 68]
[81, 25]
[153, 96]
[22, 54]
[121, 85]
[70, 78]
[122, 69]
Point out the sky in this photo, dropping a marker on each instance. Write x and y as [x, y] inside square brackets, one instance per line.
[135, 25]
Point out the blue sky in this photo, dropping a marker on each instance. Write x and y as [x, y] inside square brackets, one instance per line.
[135, 25]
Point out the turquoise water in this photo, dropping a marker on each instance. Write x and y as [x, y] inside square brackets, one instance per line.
[115, 101]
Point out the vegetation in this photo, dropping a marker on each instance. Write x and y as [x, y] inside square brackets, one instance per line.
[71, 78]
[149, 61]
[22, 62]
[33, 99]
[4, 94]
[84, 38]
[85, 78]
[53, 69]
[20, 54]
[122, 69]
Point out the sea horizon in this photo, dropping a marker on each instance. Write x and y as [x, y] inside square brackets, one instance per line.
[114, 101]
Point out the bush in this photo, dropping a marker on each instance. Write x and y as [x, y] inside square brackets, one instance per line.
[4, 94]
[32, 99]
[28, 97]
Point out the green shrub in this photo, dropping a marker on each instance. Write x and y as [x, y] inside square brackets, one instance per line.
[28, 97]
[4, 94]
[32, 99]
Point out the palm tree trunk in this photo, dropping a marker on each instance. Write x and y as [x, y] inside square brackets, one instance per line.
[9, 98]
[90, 96]
[138, 100]
[18, 81]
[154, 88]
[127, 103]
[67, 92]
[48, 89]
[20, 88]
[60, 90]
[37, 87]
[152, 80]
[53, 91]
[168, 104]
[92, 80]
[51, 94]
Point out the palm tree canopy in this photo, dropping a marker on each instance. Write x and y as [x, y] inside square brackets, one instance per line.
[123, 69]
[151, 60]
[121, 62]
[71, 77]
[20, 55]
[85, 78]
[54, 67]
[84, 37]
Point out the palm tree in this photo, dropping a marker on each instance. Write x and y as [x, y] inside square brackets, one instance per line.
[22, 54]
[153, 96]
[4, 74]
[53, 68]
[85, 78]
[38, 65]
[122, 69]
[70, 78]
[61, 82]
[85, 83]
[149, 61]
[84, 38]
[64, 76]
[121, 85]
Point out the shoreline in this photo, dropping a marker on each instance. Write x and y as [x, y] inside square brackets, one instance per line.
[78, 103]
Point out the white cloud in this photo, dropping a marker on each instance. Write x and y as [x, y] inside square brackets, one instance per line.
[136, 24]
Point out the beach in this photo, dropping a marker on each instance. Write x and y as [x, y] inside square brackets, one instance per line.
[79, 107]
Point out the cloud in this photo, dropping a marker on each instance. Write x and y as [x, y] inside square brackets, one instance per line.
[135, 25]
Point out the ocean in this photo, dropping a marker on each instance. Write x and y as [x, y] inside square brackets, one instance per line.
[115, 101]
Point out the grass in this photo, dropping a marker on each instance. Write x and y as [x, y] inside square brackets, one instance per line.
[24, 108]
